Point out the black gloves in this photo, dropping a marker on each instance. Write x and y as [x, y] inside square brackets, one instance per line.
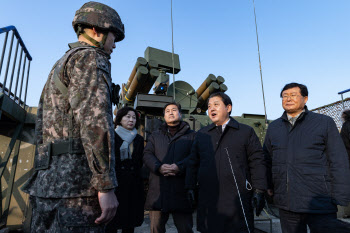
[190, 198]
[258, 201]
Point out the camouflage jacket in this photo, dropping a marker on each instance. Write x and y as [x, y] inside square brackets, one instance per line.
[85, 71]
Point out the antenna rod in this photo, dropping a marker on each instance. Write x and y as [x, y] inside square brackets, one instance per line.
[172, 46]
[262, 84]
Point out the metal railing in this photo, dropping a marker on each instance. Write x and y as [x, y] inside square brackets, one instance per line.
[14, 78]
[342, 98]
[21, 69]
[334, 110]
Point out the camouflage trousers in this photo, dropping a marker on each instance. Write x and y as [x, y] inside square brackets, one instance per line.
[55, 215]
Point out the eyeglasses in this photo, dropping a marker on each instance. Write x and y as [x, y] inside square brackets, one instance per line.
[292, 96]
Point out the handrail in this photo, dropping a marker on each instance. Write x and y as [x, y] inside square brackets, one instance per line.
[13, 28]
[11, 74]
[342, 92]
[342, 98]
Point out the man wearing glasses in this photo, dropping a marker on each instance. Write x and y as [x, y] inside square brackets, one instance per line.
[309, 169]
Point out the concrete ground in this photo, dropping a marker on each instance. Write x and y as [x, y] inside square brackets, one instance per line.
[266, 223]
[263, 224]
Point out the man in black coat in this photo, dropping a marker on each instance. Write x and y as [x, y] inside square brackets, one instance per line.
[309, 167]
[228, 161]
[165, 155]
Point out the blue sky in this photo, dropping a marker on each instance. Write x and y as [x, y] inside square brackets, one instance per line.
[304, 41]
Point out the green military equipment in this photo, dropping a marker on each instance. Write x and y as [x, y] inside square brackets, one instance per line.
[185, 95]
[139, 78]
[152, 103]
[164, 59]
[157, 63]
[216, 86]
[223, 87]
[211, 78]
[220, 80]
[162, 78]
[152, 64]
[153, 75]
[213, 87]
[140, 61]
[193, 102]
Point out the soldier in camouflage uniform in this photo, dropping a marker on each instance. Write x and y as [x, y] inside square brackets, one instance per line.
[72, 188]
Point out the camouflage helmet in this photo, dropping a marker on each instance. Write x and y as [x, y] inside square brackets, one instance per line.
[101, 16]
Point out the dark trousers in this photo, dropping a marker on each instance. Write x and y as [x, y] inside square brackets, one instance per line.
[292, 222]
[182, 221]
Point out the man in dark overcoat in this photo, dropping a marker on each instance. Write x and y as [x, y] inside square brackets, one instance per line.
[166, 155]
[308, 166]
[227, 157]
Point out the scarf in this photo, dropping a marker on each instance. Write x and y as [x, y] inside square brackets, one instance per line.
[127, 136]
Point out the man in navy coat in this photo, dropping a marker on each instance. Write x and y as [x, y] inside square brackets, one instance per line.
[229, 165]
[309, 167]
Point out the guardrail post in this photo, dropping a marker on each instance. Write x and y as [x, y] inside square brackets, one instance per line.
[18, 72]
[8, 60]
[21, 87]
[13, 68]
[3, 51]
[25, 95]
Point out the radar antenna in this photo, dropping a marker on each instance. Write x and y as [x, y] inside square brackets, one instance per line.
[172, 50]
[262, 84]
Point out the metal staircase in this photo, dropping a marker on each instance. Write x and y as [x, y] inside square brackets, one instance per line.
[17, 123]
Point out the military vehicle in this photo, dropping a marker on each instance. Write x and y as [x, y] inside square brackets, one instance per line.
[17, 120]
[153, 70]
